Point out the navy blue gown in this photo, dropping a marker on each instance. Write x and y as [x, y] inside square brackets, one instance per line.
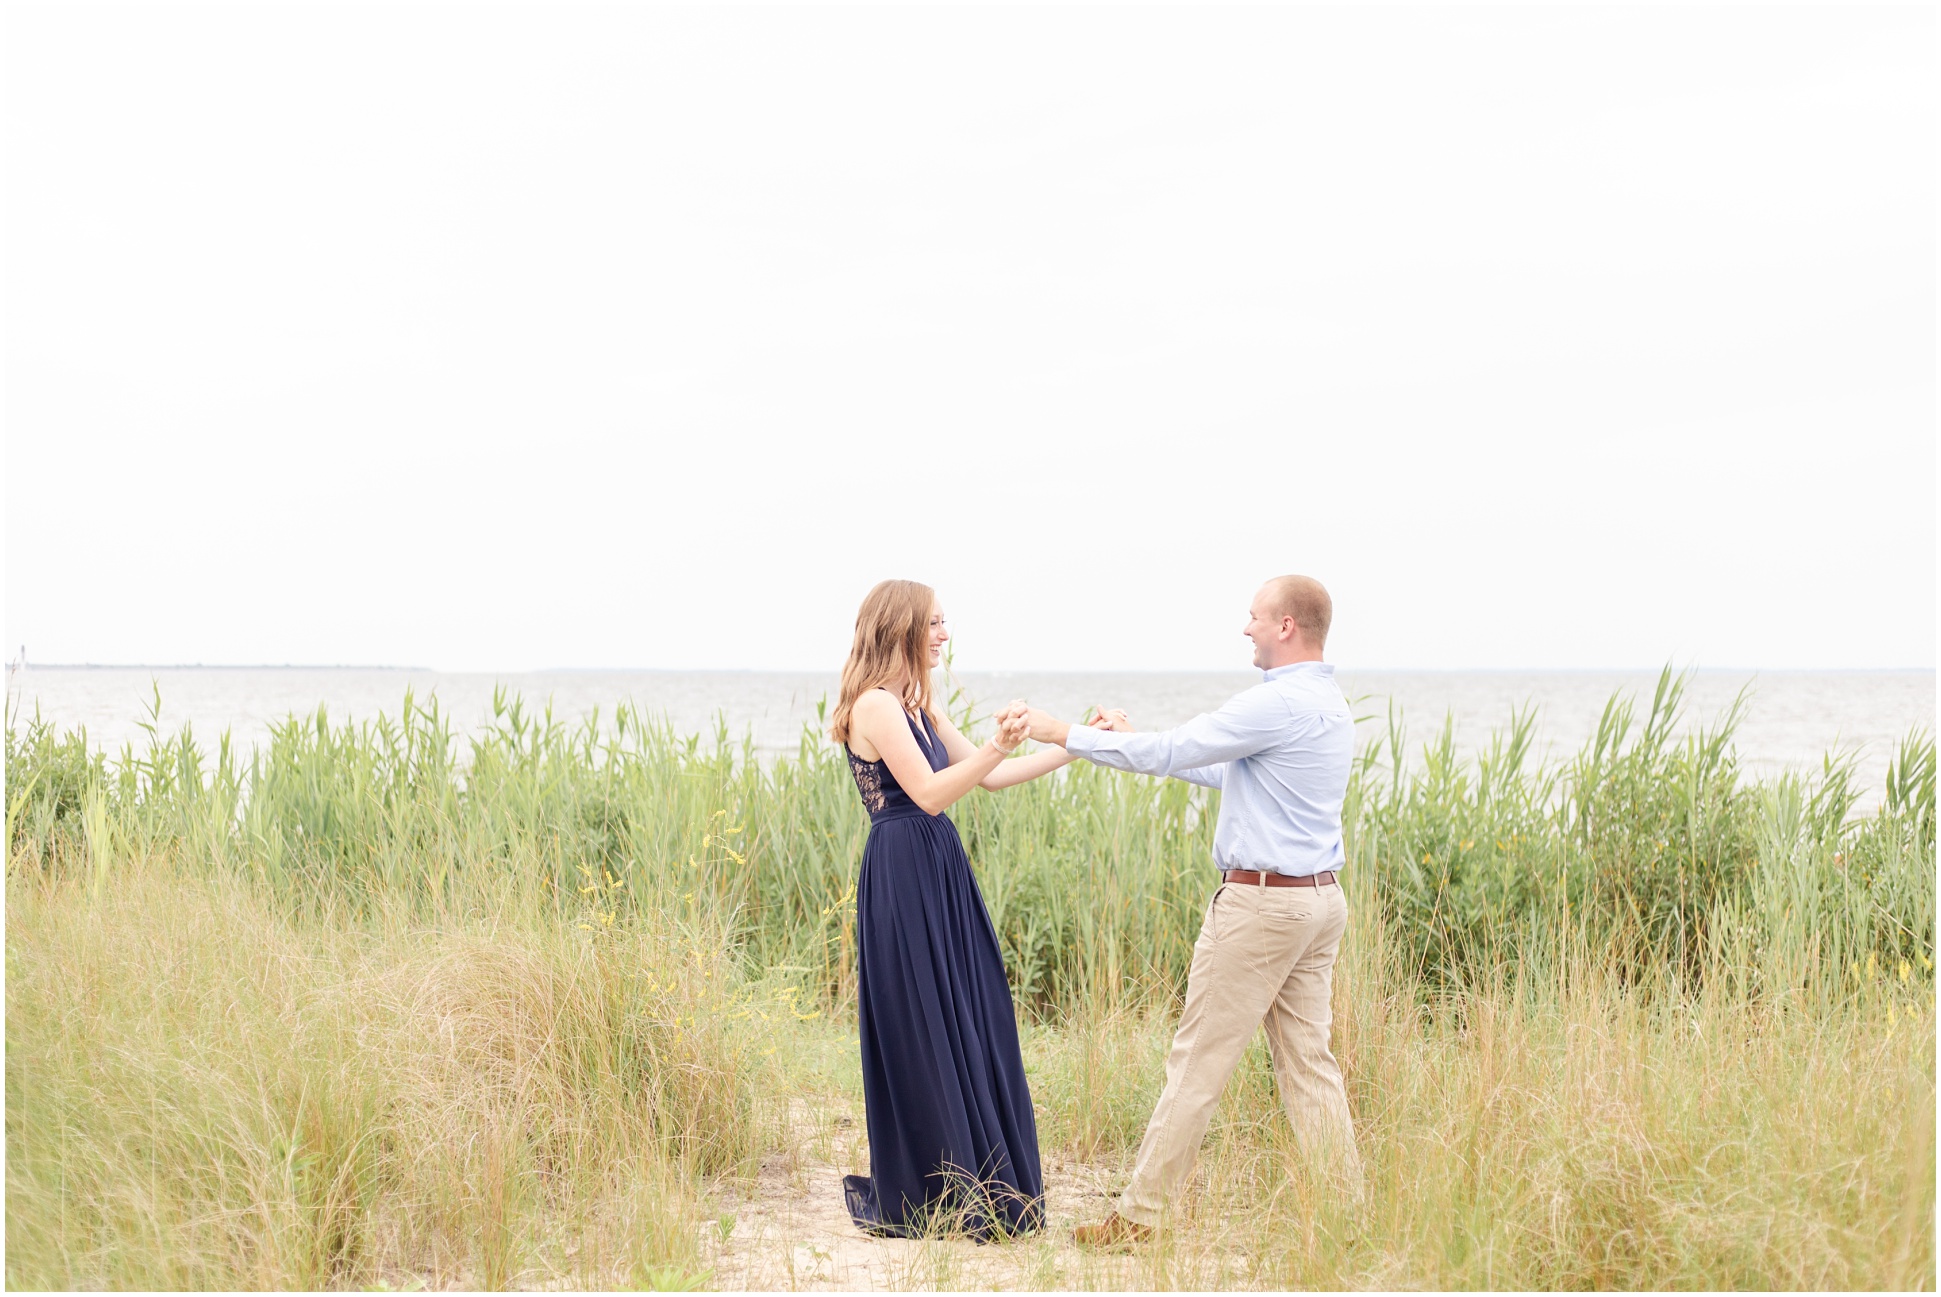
[952, 1141]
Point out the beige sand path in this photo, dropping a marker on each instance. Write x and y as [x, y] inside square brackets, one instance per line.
[793, 1232]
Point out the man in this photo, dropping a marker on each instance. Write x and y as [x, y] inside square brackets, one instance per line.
[1280, 754]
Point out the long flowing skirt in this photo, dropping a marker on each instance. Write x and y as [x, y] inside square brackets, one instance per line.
[952, 1142]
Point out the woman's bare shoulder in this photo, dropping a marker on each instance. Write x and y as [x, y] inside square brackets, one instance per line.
[876, 704]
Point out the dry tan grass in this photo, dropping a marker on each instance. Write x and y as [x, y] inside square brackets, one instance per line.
[204, 1093]
[206, 1090]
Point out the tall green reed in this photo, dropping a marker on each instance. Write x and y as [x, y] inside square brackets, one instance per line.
[1649, 846]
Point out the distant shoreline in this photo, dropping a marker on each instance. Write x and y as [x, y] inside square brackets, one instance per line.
[209, 666]
[979, 671]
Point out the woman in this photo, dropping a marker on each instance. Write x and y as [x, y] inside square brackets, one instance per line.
[952, 1141]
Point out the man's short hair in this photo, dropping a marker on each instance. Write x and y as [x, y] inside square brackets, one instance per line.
[1306, 601]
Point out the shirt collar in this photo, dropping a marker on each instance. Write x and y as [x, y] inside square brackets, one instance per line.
[1322, 669]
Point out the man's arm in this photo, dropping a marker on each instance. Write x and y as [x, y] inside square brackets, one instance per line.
[1214, 776]
[1246, 725]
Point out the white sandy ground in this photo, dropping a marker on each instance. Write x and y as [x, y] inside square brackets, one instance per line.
[788, 1230]
[793, 1231]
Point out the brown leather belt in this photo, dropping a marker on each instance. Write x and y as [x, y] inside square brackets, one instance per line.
[1266, 879]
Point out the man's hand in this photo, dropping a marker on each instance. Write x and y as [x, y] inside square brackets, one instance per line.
[1046, 728]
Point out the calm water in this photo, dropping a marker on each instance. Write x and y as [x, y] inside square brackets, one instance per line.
[1795, 717]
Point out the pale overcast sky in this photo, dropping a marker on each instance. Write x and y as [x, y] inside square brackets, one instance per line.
[545, 337]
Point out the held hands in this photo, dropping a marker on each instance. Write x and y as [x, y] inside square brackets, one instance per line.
[1011, 728]
[1018, 720]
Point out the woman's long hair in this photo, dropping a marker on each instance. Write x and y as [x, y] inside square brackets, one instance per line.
[892, 641]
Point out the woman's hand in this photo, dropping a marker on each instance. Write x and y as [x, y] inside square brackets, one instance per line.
[1112, 718]
[1013, 724]
[1014, 727]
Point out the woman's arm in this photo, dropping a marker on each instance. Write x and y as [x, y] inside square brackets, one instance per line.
[1010, 773]
[1022, 770]
[882, 721]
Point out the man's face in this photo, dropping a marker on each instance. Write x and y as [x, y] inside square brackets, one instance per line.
[939, 632]
[1264, 629]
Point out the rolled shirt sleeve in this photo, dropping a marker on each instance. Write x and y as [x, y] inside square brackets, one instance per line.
[1280, 754]
[1249, 723]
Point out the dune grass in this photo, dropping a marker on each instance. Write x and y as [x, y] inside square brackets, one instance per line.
[380, 1008]
[203, 1091]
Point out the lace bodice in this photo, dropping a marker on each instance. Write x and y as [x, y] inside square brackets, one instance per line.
[881, 794]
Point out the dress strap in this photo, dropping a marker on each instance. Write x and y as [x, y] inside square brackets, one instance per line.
[926, 743]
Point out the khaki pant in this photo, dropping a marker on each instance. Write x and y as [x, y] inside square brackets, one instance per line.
[1265, 954]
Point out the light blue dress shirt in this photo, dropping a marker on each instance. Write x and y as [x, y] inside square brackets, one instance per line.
[1279, 754]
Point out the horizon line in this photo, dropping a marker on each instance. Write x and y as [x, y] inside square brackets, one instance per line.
[13, 667]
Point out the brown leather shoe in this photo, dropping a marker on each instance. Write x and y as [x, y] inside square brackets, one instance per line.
[1115, 1232]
